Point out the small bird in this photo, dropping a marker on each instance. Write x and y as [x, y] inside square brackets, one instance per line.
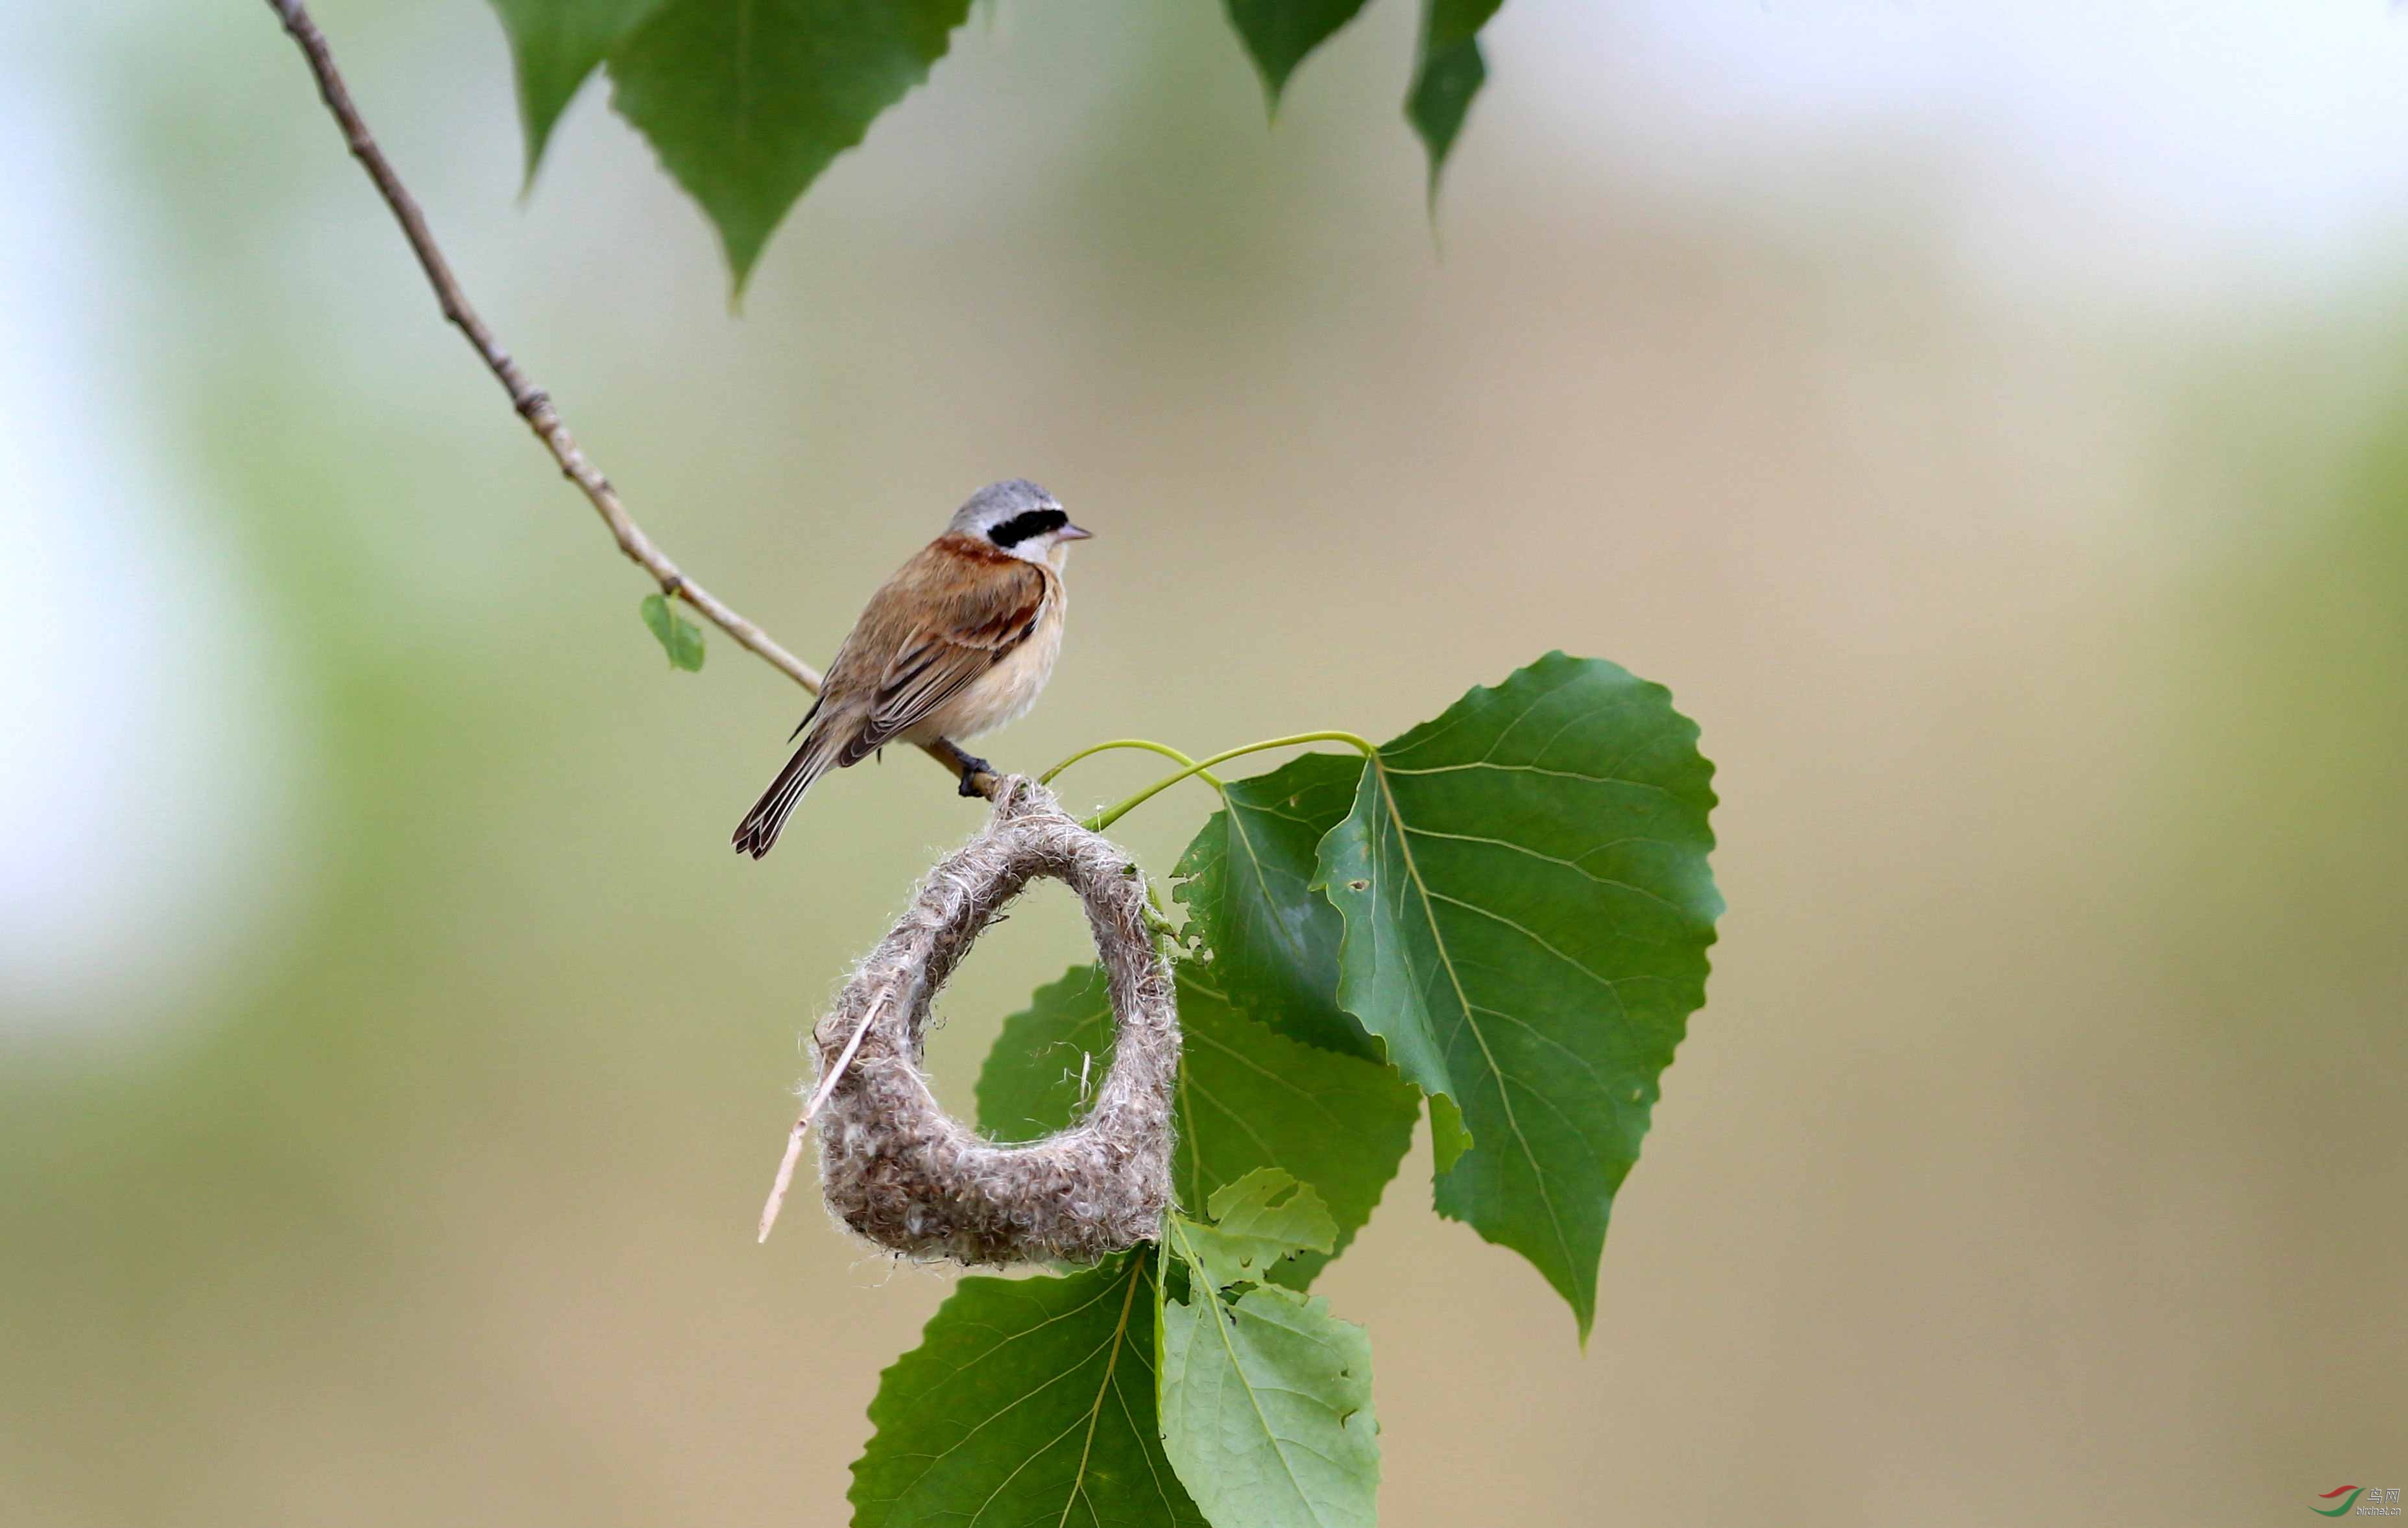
[959, 641]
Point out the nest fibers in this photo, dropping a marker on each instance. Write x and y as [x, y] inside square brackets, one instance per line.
[900, 1171]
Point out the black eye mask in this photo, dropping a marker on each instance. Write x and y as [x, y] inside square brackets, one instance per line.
[1028, 523]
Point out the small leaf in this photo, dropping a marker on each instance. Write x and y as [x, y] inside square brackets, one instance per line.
[1257, 1222]
[679, 636]
[1266, 1403]
[746, 101]
[1278, 34]
[1247, 1098]
[1028, 1401]
[1247, 882]
[554, 44]
[1449, 1137]
[1528, 909]
[1448, 72]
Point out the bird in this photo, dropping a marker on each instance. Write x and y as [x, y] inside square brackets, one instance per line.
[960, 641]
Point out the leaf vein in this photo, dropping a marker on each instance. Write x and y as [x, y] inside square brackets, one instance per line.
[1438, 937]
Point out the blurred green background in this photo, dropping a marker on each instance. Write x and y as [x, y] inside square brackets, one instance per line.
[1988, 425]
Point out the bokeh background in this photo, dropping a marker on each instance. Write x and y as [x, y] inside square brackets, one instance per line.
[1986, 418]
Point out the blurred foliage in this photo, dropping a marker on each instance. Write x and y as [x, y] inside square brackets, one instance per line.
[2297, 648]
[1278, 34]
[1448, 71]
[555, 45]
[2042, 1166]
[746, 101]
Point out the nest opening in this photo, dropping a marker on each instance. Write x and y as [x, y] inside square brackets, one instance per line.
[901, 1172]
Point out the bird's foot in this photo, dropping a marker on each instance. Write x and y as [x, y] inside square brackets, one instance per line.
[972, 767]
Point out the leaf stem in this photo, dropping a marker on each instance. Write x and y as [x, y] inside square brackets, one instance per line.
[1112, 814]
[1146, 743]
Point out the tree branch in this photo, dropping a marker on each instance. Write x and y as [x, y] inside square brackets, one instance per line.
[532, 403]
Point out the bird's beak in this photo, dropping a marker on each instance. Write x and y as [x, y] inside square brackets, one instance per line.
[1072, 533]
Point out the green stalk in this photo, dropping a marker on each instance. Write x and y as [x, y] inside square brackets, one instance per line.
[1113, 813]
[1147, 743]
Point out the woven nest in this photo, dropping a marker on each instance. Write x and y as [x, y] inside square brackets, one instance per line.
[900, 1171]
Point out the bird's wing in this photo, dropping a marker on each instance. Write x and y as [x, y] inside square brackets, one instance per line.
[943, 624]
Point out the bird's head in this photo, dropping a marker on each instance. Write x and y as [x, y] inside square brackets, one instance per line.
[1018, 518]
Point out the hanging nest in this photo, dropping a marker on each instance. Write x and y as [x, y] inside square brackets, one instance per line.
[900, 1171]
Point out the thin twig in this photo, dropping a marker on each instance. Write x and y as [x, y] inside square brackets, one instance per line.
[532, 403]
[786, 1180]
[795, 1140]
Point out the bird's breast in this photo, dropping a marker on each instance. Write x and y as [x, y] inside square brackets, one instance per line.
[1005, 692]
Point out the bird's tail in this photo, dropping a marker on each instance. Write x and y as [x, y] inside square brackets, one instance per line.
[762, 825]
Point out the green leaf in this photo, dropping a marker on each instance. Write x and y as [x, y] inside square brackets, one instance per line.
[1448, 71]
[1449, 1137]
[1258, 1221]
[1278, 34]
[1266, 1402]
[1247, 882]
[1247, 1098]
[1029, 1400]
[555, 44]
[1528, 909]
[746, 101]
[680, 638]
